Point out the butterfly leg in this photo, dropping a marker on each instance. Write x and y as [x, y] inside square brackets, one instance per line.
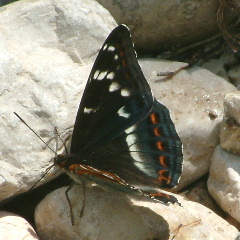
[69, 202]
[84, 199]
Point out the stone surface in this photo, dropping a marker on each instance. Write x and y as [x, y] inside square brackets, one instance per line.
[195, 100]
[198, 192]
[230, 126]
[216, 66]
[46, 51]
[224, 181]
[234, 75]
[189, 21]
[114, 215]
[13, 227]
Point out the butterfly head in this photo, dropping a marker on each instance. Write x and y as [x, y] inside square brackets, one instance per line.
[60, 160]
[65, 161]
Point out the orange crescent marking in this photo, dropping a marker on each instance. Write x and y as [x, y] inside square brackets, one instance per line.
[153, 118]
[162, 161]
[169, 180]
[160, 146]
[161, 178]
[157, 132]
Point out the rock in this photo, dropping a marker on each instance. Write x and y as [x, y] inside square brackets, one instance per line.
[158, 25]
[216, 66]
[114, 215]
[230, 126]
[194, 98]
[233, 222]
[234, 75]
[14, 227]
[46, 49]
[198, 192]
[224, 181]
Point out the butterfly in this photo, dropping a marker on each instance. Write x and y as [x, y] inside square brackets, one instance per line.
[123, 138]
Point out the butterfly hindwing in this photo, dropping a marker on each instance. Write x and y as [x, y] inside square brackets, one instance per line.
[147, 155]
[116, 96]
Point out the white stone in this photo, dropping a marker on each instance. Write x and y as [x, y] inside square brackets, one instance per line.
[230, 126]
[114, 215]
[47, 48]
[163, 24]
[234, 74]
[194, 98]
[232, 105]
[14, 227]
[46, 53]
[224, 181]
[216, 66]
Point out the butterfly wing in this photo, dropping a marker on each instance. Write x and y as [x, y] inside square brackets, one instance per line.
[147, 155]
[122, 138]
[116, 96]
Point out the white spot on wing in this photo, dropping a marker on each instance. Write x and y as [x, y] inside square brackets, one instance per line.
[111, 48]
[89, 110]
[110, 75]
[131, 140]
[95, 75]
[101, 75]
[123, 113]
[116, 57]
[130, 129]
[125, 92]
[114, 87]
[105, 47]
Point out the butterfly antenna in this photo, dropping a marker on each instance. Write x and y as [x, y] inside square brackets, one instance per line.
[47, 170]
[34, 133]
[63, 142]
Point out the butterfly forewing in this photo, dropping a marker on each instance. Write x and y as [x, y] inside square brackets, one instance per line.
[116, 96]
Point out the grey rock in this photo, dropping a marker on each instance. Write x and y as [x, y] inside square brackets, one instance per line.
[115, 215]
[224, 181]
[46, 48]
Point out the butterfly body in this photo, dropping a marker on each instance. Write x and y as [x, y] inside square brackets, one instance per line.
[123, 138]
